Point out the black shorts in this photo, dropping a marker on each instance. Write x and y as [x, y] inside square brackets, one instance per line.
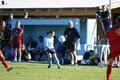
[48, 51]
[70, 46]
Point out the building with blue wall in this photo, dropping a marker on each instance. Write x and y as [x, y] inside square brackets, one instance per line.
[36, 27]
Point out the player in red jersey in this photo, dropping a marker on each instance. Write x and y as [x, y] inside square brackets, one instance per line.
[113, 36]
[17, 40]
[4, 62]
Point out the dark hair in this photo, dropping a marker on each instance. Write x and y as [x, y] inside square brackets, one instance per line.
[40, 37]
[91, 51]
[50, 32]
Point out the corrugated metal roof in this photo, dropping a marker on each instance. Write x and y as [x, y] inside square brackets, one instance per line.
[54, 3]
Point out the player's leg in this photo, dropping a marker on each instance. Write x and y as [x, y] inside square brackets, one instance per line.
[4, 62]
[56, 60]
[15, 54]
[75, 57]
[49, 59]
[19, 45]
[71, 57]
[109, 68]
[20, 54]
[111, 59]
[68, 46]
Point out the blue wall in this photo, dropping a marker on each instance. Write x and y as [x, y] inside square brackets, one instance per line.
[36, 30]
[83, 31]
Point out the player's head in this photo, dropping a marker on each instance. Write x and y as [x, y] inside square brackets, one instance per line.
[118, 20]
[51, 33]
[70, 24]
[18, 24]
[3, 24]
[40, 38]
[10, 15]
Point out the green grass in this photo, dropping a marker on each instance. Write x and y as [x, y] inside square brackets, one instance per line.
[39, 71]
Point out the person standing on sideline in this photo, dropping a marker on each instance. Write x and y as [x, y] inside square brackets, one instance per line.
[5, 35]
[106, 20]
[105, 17]
[17, 40]
[71, 35]
[9, 21]
[113, 36]
[49, 49]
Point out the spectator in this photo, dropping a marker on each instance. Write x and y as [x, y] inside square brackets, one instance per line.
[72, 35]
[86, 56]
[25, 54]
[11, 16]
[17, 40]
[25, 15]
[5, 35]
[31, 45]
[105, 16]
[8, 22]
[106, 21]
[90, 58]
[40, 47]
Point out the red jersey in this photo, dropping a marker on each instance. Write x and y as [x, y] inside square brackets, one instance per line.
[18, 31]
[113, 35]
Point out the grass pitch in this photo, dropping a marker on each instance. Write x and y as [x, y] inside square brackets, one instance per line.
[39, 71]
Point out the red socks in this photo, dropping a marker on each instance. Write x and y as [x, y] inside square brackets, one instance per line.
[109, 69]
[4, 63]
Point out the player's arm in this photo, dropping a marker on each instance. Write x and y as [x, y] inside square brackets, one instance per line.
[21, 32]
[77, 37]
[13, 33]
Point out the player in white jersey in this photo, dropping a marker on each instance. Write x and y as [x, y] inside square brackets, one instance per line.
[49, 49]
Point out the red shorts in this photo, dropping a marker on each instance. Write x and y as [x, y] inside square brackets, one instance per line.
[114, 51]
[0, 52]
[16, 44]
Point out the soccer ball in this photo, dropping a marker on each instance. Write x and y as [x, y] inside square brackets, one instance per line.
[61, 39]
[100, 64]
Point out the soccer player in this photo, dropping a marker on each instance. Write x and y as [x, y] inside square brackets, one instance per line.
[113, 36]
[17, 40]
[72, 35]
[4, 62]
[49, 49]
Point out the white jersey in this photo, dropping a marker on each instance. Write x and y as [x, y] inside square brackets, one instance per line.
[49, 42]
